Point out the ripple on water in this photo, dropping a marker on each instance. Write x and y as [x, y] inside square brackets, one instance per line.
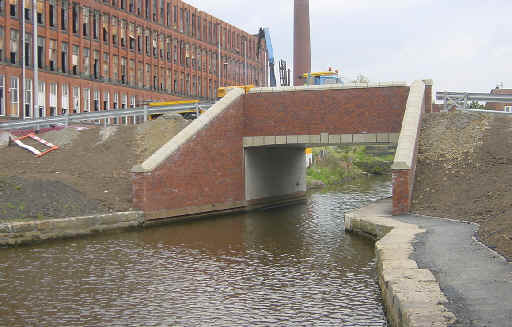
[287, 267]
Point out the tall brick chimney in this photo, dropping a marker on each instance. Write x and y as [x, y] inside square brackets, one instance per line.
[301, 41]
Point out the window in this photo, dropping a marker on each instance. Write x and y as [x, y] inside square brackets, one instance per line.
[52, 55]
[146, 8]
[139, 7]
[114, 31]
[146, 38]
[96, 100]
[123, 4]
[131, 5]
[28, 97]
[87, 62]
[13, 7]
[27, 10]
[140, 75]
[106, 63]
[508, 108]
[147, 77]
[76, 99]
[168, 49]
[40, 12]
[106, 100]
[74, 60]
[161, 46]
[122, 32]
[2, 4]
[53, 99]
[139, 39]
[85, 21]
[115, 68]
[168, 14]
[75, 18]
[104, 26]
[87, 99]
[2, 96]
[52, 13]
[2, 37]
[64, 57]
[124, 101]
[123, 70]
[131, 36]
[40, 52]
[131, 73]
[162, 8]
[116, 100]
[96, 25]
[96, 64]
[65, 98]
[132, 101]
[13, 90]
[41, 99]
[64, 15]
[28, 49]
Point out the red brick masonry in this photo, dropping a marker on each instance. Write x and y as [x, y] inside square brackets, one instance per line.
[207, 173]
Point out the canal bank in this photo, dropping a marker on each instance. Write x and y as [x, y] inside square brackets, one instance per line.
[289, 266]
[411, 295]
[431, 267]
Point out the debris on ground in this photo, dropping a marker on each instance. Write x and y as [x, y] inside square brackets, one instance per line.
[463, 172]
[90, 173]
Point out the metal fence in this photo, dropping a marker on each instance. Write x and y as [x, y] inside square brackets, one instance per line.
[104, 116]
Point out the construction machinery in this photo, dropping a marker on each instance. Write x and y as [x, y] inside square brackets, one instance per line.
[322, 78]
[264, 33]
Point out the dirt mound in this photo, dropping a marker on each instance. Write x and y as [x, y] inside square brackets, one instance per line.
[90, 173]
[463, 172]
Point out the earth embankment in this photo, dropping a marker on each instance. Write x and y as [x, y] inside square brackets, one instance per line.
[464, 172]
[89, 174]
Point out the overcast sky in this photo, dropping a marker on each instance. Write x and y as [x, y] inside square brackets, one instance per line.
[463, 45]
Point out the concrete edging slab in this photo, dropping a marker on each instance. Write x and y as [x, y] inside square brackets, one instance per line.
[412, 296]
[17, 233]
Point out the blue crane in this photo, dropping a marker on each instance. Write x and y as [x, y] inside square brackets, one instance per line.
[265, 33]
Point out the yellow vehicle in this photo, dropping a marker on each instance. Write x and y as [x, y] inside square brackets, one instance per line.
[322, 78]
[222, 91]
[186, 113]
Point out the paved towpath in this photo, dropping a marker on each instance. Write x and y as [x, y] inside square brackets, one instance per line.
[476, 281]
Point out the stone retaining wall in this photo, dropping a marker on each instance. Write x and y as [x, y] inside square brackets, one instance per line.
[16, 233]
[412, 296]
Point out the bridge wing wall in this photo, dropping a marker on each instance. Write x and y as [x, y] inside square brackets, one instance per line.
[350, 109]
[199, 170]
[404, 164]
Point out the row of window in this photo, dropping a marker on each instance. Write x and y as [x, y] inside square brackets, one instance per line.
[73, 99]
[119, 69]
[86, 22]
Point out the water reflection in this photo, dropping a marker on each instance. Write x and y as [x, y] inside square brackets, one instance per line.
[288, 267]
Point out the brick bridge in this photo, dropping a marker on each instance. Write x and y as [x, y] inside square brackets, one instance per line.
[248, 149]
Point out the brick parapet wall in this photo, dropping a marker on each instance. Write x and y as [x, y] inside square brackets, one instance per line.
[331, 110]
[201, 169]
[404, 165]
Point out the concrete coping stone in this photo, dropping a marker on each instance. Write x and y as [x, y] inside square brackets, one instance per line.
[325, 87]
[157, 158]
[412, 296]
[409, 134]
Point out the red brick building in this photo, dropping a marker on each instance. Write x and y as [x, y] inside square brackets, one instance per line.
[499, 106]
[108, 54]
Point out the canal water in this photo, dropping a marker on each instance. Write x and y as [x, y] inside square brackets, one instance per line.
[292, 266]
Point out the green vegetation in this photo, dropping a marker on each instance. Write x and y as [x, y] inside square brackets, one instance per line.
[334, 165]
